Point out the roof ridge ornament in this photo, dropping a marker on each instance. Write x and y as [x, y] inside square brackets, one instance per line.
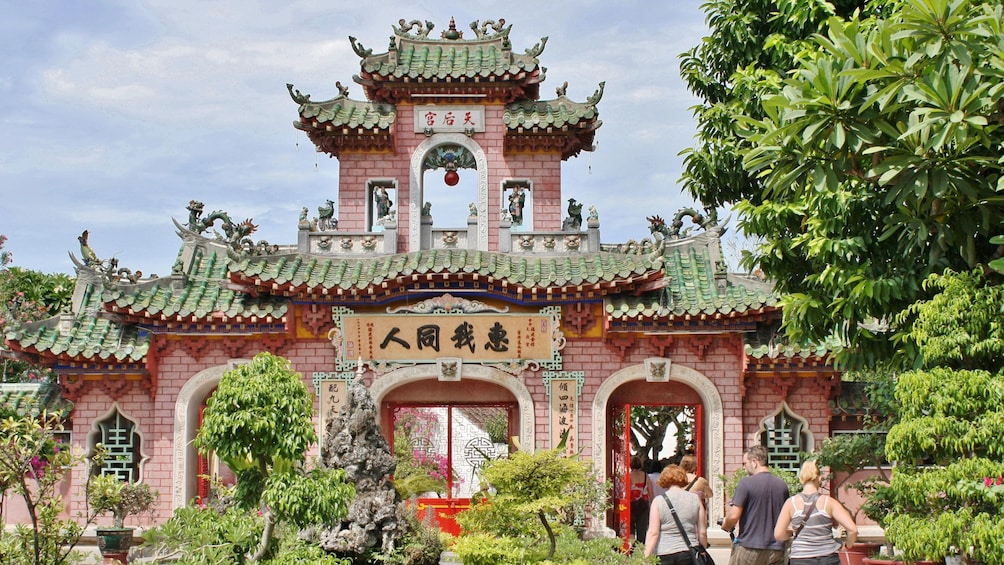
[296, 95]
[422, 29]
[452, 34]
[359, 49]
[498, 28]
[595, 98]
[537, 48]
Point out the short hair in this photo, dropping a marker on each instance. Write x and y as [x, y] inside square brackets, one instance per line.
[757, 453]
[809, 473]
[635, 462]
[672, 476]
[689, 463]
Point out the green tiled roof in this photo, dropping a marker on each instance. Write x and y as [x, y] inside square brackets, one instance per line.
[204, 296]
[794, 350]
[30, 399]
[419, 57]
[343, 112]
[310, 273]
[87, 334]
[691, 290]
[543, 114]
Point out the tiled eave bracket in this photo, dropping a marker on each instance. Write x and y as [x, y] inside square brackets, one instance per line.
[569, 140]
[743, 320]
[503, 88]
[400, 286]
[784, 374]
[333, 139]
[212, 321]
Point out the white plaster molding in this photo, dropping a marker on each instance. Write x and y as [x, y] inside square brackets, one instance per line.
[416, 187]
[387, 382]
[714, 423]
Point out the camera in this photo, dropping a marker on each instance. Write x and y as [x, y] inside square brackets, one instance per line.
[721, 521]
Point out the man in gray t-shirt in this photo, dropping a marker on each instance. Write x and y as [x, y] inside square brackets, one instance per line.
[755, 507]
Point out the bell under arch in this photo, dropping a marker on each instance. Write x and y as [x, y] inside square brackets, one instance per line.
[416, 187]
[714, 422]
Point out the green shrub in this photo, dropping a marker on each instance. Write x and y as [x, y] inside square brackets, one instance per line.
[487, 549]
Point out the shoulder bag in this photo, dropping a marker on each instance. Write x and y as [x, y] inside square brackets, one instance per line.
[698, 553]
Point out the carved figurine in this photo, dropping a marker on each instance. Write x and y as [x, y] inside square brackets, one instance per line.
[517, 199]
[87, 254]
[574, 220]
[383, 203]
[326, 216]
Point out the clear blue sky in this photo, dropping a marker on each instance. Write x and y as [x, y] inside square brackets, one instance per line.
[114, 114]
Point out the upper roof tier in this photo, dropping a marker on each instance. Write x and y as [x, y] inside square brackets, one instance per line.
[419, 66]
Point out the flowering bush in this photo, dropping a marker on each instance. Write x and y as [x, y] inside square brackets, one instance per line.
[418, 470]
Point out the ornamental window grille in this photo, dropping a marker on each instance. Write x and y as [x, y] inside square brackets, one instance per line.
[785, 436]
[122, 444]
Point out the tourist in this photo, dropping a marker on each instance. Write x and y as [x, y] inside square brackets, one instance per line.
[641, 496]
[696, 483]
[756, 504]
[808, 521]
[664, 537]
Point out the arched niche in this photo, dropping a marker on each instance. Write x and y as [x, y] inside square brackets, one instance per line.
[416, 189]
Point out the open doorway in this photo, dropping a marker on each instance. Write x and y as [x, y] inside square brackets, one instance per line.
[659, 434]
[440, 449]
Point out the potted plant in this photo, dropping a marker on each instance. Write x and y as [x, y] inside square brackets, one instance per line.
[107, 494]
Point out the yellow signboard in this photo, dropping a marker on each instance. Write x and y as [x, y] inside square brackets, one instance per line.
[484, 337]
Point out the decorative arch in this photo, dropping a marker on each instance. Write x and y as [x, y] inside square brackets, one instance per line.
[94, 436]
[383, 385]
[186, 425]
[806, 439]
[714, 422]
[416, 187]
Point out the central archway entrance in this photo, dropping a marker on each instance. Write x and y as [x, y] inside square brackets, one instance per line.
[445, 430]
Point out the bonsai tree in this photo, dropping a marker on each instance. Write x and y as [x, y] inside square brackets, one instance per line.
[948, 444]
[530, 488]
[259, 422]
[108, 494]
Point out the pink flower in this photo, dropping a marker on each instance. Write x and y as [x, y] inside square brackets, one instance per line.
[1000, 480]
[988, 481]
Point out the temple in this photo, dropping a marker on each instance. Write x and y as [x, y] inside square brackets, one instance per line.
[512, 328]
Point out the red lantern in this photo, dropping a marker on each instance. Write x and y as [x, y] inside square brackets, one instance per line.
[451, 178]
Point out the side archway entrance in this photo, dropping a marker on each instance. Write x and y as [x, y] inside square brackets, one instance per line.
[688, 396]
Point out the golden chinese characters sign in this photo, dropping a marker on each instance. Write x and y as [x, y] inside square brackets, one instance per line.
[426, 337]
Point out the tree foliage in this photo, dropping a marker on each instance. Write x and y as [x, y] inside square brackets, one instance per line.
[531, 488]
[32, 467]
[259, 422]
[876, 158]
[949, 441]
[28, 296]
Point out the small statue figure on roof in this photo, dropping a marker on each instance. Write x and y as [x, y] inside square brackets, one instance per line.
[593, 214]
[517, 199]
[87, 254]
[472, 210]
[304, 220]
[326, 216]
[427, 210]
[383, 203]
[574, 220]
